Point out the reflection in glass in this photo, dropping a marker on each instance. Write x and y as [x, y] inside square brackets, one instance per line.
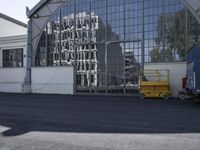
[102, 39]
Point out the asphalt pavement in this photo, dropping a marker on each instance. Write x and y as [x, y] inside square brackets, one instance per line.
[63, 122]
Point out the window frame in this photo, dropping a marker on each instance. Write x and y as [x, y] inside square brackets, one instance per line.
[8, 56]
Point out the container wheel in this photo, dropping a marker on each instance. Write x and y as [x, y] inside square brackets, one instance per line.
[182, 97]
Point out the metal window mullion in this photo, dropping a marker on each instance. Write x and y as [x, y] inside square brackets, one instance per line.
[46, 45]
[106, 49]
[60, 36]
[90, 31]
[142, 46]
[186, 33]
[124, 51]
[163, 30]
[75, 51]
[22, 57]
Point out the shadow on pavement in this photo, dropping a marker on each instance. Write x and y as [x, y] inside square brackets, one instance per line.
[96, 114]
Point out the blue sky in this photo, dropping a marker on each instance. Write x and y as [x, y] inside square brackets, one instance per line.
[16, 8]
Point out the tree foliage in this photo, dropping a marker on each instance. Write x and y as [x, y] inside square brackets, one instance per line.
[171, 39]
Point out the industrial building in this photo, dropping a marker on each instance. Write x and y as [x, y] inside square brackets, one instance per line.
[100, 46]
[13, 48]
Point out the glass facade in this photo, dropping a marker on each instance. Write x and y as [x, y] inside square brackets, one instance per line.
[104, 39]
[13, 57]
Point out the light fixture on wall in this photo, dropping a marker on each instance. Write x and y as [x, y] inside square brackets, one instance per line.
[36, 15]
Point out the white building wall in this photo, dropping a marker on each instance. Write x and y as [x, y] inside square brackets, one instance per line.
[13, 43]
[8, 28]
[177, 72]
[53, 80]
[12, 79]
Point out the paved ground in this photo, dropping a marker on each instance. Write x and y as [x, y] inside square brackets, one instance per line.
[57, 122]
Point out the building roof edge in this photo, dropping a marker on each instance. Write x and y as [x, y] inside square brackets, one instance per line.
[13, 20]
[35, 8]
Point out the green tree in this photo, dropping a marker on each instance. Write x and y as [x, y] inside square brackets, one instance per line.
[193, 32]
[172, 35]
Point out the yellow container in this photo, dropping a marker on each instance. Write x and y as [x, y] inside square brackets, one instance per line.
[155, 84]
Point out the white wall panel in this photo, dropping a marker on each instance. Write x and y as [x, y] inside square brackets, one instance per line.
[52, 80]
[12, 79]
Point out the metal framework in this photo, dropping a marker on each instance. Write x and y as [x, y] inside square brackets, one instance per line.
[45, 9]
[42, 12]
[194, 7]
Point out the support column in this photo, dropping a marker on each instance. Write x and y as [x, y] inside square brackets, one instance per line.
[27, 82]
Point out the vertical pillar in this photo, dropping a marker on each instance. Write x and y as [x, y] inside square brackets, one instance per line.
[27, 82]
